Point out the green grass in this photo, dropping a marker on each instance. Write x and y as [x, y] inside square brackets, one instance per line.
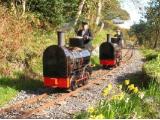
[95, 60]
[6, 93]
[9, 87]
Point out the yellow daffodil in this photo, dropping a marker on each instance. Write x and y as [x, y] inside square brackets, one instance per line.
[119, 96]
[90, 109]
[105, 92]
[100, 116]
[126, 82]
[110, 86]
[120, 86]
[135, 90]
[131, 87]
[115, 97]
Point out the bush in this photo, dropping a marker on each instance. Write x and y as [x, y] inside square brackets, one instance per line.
[150, 54]
[152, 67]
[54, 11]
[21, 45]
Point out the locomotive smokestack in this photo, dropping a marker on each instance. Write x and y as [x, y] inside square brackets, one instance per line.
[61, 40]
[108, 37]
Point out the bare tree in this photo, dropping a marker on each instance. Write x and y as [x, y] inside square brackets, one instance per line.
[24, 6]
[13, 6]
[79, 11]
[99, 9]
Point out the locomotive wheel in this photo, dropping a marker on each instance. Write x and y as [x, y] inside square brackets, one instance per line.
[73, 85]
[104, 66]
[85, 81]
[89, 69]
[118, 62]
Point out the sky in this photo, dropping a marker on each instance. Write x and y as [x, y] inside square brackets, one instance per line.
[131, 6]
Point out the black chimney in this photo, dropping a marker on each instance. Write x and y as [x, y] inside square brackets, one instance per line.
[60, 35]
[108, 37]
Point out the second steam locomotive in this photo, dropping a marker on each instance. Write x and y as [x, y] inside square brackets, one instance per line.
[110, 52]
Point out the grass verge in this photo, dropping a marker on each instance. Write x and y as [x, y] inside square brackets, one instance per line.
[10, 87]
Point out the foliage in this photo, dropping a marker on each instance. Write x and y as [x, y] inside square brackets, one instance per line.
[148, 32]
[21, 46]
[95, 60]
[152, 67]
[56, 12]
[112, 10]
[150, 54]
[64, 11]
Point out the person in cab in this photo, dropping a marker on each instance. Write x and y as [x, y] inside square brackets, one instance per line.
[119, 35]
[86, 33]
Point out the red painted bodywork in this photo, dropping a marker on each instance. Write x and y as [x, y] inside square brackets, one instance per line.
[111, 62]
[57, 82]
[108, 62]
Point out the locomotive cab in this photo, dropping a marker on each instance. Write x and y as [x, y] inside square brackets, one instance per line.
[76, 42]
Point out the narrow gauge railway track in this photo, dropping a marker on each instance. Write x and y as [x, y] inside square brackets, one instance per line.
[26, 108]
[97, 77]
[128, 55]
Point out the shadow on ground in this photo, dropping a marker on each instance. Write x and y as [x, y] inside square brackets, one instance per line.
[138, 79]
[28, 84]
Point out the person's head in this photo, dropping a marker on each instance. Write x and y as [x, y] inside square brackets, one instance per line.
[85, 25]
[118, 31]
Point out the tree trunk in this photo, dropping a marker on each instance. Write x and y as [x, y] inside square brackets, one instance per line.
[24, 6]
[99, 9]
[79, 11]
[102, 26]
[156, 41]
[13, 6]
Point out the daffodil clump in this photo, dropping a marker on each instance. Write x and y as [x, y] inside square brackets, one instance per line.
[120, 106]
[90, 109]
[130, 87]
[119, 96]
[107, 90]
[93, 113]
[126, 82]
[100, 116]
